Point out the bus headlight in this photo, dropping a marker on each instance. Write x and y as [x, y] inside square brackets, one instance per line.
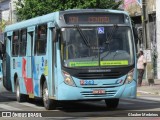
[68, 79]
[129, 77]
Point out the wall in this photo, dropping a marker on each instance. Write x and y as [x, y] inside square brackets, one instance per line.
[134, 8]
[5, 15]
[8, 10]
[158, 36]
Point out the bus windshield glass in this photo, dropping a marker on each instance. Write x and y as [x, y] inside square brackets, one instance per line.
[109, 46]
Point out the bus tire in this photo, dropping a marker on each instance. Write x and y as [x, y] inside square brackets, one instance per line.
[49, 104]
[20, 97]
[112, 103]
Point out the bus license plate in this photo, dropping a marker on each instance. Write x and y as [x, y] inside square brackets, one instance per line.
[86, 82]
[99, 92]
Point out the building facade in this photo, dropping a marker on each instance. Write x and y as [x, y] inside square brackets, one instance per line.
[7, 14]
[7, 11]
[134, 7]
[158, 36]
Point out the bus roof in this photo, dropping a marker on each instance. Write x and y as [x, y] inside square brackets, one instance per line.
[95, 10]
[54, 17]
[31, 22]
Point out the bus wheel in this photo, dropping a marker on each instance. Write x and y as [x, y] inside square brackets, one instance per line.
[112, 103]
[20, 97]
[48, 103]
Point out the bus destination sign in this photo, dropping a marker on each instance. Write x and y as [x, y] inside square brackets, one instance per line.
[94, 18]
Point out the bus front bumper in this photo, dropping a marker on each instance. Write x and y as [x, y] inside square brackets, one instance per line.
[66, 92]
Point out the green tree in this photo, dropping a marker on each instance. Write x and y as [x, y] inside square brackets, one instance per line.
[27, 9]
[2, 25]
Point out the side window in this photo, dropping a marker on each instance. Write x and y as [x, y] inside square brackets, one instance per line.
[23, 42]
[41, 39]
[15, 43]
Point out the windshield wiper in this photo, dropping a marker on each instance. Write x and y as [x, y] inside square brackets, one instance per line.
[84, 38]
[111, 34]
[109, 39]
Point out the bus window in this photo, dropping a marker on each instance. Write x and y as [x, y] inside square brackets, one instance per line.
[1, 50]
[23, 42]
[40, 45]
[15, 43]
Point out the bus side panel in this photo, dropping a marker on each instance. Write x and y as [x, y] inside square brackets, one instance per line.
[6, 67]
[16, 73]
[50, 64]
[21, 74]
[39, 68]
[36, 82]
[58, 75]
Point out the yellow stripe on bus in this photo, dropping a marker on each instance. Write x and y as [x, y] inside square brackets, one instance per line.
[85, 63]
[96, 63]
[114, 62]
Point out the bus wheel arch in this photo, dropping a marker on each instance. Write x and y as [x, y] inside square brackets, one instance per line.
[48, 103]
[15, 81]
[20, 97]
[42, 80]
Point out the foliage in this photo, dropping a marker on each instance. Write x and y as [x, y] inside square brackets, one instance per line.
[2, 25]
[32, 8]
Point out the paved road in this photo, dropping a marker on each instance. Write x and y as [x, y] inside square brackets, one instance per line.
[94, 109]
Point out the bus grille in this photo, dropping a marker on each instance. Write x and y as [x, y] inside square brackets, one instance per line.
[94, 75]
[107, 93]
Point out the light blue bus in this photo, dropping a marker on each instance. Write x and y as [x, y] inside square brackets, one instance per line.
[86, 54]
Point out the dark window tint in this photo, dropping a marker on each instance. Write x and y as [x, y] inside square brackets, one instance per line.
[15, 43]
[41, 39]
[23, 42]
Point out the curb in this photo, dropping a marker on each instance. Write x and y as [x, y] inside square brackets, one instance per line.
[144, 92]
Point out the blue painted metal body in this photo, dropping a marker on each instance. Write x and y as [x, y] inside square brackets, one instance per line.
[38, 66]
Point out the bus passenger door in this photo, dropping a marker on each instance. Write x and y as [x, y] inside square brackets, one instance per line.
[6, 62]
[27, 65]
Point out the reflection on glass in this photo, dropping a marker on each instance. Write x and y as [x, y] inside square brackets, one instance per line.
[101, 51]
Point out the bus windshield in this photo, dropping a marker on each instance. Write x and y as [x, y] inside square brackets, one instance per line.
[107, 46]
